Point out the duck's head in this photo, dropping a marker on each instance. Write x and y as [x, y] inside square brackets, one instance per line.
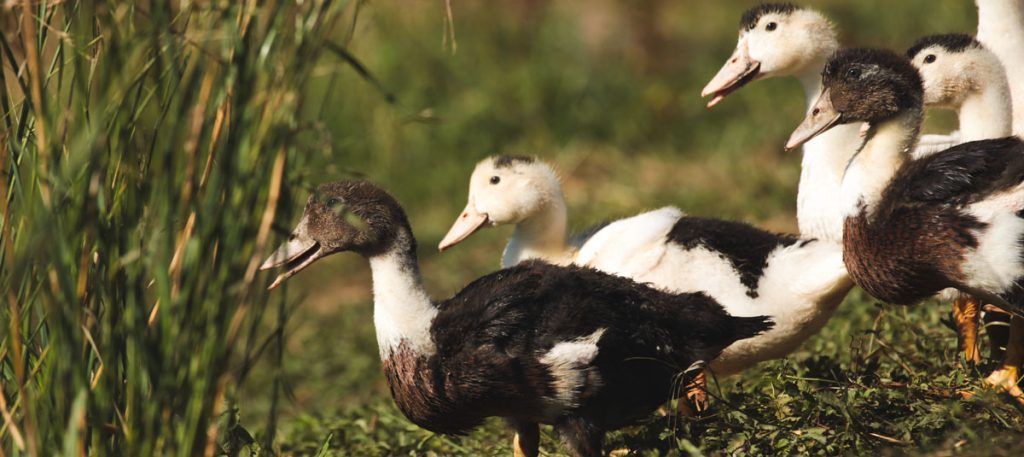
[775, 39]
[341, 216]
[952, 67]
[860, 85]
[504, 189]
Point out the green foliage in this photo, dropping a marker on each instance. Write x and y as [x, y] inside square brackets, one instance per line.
[144, 159]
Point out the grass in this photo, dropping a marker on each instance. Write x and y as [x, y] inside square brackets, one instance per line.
[153, 154]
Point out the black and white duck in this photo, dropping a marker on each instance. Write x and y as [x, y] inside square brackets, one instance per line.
[961, 74]
[913, 227]
[798, 282]
[571, 346]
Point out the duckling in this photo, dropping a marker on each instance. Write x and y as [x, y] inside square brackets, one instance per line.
[798, 282]
[573, 347]
[952, 219]
[782, 39]
[960, 74]
[523, 192]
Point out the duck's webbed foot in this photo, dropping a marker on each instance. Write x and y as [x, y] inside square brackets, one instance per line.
[965, 315]
[526, 443]
[997, 329]
[1007, 376]
[580, 437]
[696, 394]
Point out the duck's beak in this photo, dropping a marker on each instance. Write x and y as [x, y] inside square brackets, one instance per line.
[822, 117]
[298, 253]
[739, 70]
[468, 222]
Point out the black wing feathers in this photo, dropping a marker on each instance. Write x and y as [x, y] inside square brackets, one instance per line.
[746, 247]
[958, 176]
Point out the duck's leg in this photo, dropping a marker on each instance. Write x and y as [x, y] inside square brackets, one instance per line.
[997, 328]
[580, 437]
[1007, 376]
[697, 393]
[527, 440]
[965, 314]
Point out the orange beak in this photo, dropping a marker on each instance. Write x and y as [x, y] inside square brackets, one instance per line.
[739, 70]
[468, 223]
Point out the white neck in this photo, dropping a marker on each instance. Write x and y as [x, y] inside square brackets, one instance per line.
[540, 236]
[986, 114]
[402, 310]
[821, 171]
[887, 147]
[1001, 30]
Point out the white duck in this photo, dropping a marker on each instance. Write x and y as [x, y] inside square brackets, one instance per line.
[787, 40]
[959, 73]
[797, 282]
[1001, 30]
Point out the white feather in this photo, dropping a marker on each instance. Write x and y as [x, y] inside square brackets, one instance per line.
[402, 309]
[995, 265]
[569, 362]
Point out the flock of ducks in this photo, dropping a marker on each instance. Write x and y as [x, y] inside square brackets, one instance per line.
[594, 332]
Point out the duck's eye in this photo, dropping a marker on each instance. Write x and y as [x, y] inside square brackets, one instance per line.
[771, 26]
[929, 58]
[495, 179]
[333, 202]
[853, 73]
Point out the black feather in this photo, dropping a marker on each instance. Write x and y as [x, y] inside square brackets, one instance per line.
[753, 15]
[952, 42]
[744, 246]
[958, 176]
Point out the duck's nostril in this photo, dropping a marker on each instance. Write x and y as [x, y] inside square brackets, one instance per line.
[734, 59]
[816, 111]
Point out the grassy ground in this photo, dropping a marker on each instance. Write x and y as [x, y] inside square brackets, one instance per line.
[607, 91]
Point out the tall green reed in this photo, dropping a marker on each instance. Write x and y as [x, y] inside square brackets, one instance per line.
[146, 148]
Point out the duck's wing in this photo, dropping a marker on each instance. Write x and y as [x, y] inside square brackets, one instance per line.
[627, 247]
[961, 175]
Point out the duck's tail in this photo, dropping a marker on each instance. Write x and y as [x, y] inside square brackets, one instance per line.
[747, 327]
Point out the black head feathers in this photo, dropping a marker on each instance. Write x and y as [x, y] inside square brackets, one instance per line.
[751, 16]
[951, 42]
[503, 161]
[871, 84]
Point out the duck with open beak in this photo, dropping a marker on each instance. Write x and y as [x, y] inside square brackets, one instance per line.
[299, 252]
[739, 70]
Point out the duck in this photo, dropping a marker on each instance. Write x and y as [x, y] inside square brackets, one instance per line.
[913, 227]
[783, 39]
[521, 191]
[1001, 30]
[961, 74]
[570, 346]
[798, 282]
